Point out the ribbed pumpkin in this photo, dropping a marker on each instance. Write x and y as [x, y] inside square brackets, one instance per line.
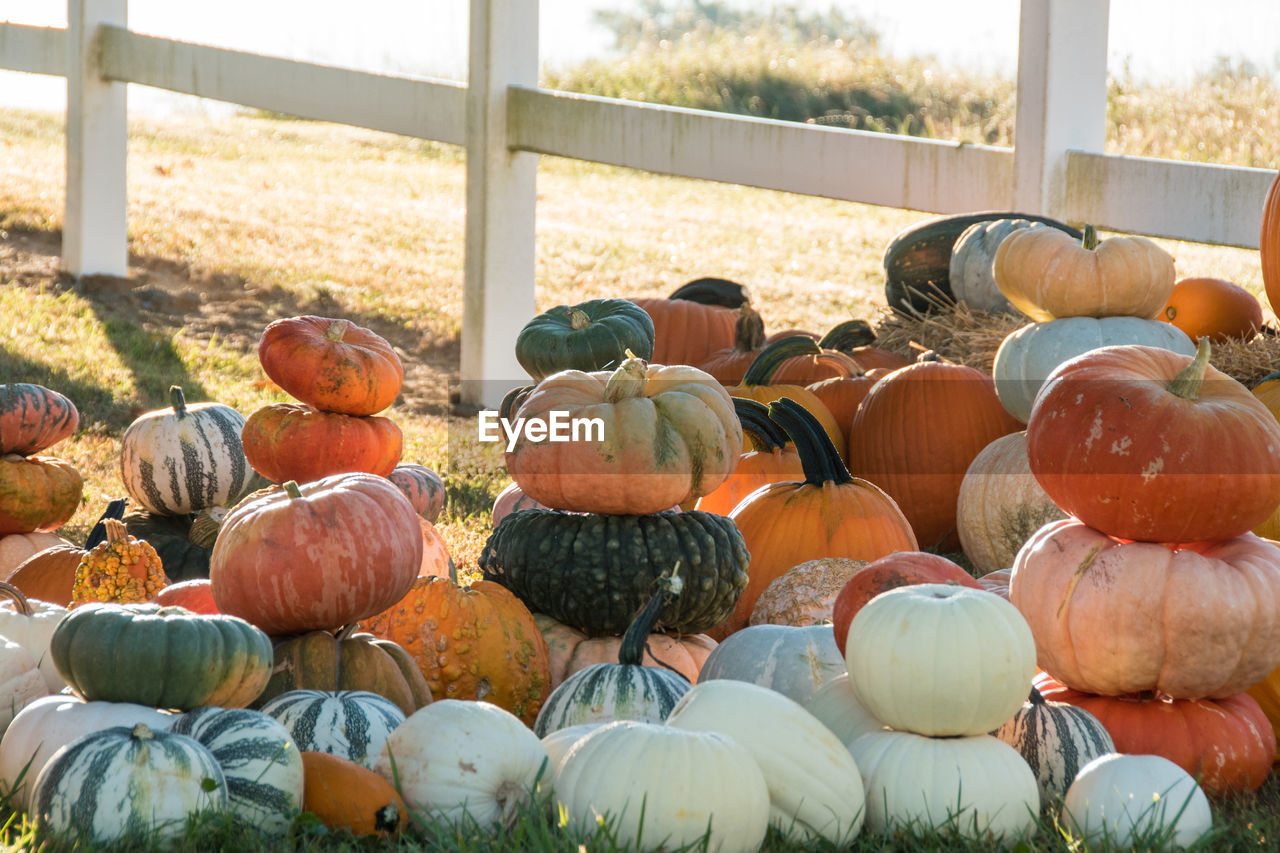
[1125, 801]
[346, 795]
[1226, 743]
[1000, 504]
[289, 441]
[121, 569]
[37, 493]
[184, 458]
[331, 364]
[773, 459]
[15, 548]
[48, 573]
[30, 623]
[571, 651]
[1267, 389]
[422, 486]
[317, 556]
[351, 723]
[626, 690]
[1146, 444]
[470, 642]
[829, 514]
[730, 364]
[687, 332]
[33, 418]
[896, 444]
[592, 335]
[1214, 307]
[842, 395]
[837, 706]
[758, 384]
[565, 566]
[669, 434]
[1056, 739]
[1269, 245]
[1112, 616]
[831, 360]
[512, 499]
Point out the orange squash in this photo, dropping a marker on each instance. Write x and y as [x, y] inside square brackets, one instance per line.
[288, 441]
[1214, 308]
[37, 493]
[730, 364]
[33, 417]
[345, 795]
[686, 332]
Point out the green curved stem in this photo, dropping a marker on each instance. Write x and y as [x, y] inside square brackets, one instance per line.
[631, 651]
[178, 401]
[775, 355]
[818, 456]
[1188, 381]
[848, 335]
[754, 417]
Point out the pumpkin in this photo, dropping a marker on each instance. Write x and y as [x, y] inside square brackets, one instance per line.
[1111, 616]
[806, 593]
[837, 707]
[261, 764]
[1129, 800]
[351, 723]
[917, 261]
[120, 570]
[1056, 739]
[709, 290]
[559, 742]
[842, 395]
[562, 565]
[570, 650]
[331, 364]
[288, 441]
[978, 787]
[996, 582]
[34, 418]
[422, 486]
[815, 789]
[117, 782]
[1029, 354]
[831, 360]
[932, 688]
[462, 761]
[1267, 390]
[1221, 310]
[470, 642]
[730, 364]
[626, 690]
[30, 623]
[829, 514]
[436, 561]
[184, 458]
[181, 557]
[901, 568]
[318, 555]
[969, 272]
[1226, 743]
[666, 435]
[48, 574]
[1267, 694]
[686, 331]
[773, 460]
[592, 335]
[1146, 444]
[687, 788]
[1000, 504]
[512, 499]
[165, 657]
[758, 384]
[346, 795]
[894, 445]
[37, 493]
[794, 661]
[21, 682]
[1269, 244]
[17, 547]
[1047, 275]
[318, 660]
[194, 595]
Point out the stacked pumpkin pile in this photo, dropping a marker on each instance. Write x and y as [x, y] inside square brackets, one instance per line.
[1152, 605]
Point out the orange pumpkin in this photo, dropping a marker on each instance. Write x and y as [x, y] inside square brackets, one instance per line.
[570, 650]
[49, 574]
[17, 547]
[730, 364]
[37, 493]
[774, 460]
[346, 795]
[331, 364]
[422, 486]
[1269, 245]
[1214, 308]
[288, 441]
[471, 642]
[842, 395]
[436, 561]
[832, 360]
[33, 417]
[828, 514]
[758, 384]
[1268, 391]
[686, 332]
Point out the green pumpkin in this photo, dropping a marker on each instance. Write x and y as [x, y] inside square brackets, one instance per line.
[593, 335]
[160, 657]
[594, 572]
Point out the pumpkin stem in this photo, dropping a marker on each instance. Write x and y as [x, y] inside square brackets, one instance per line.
[143, 732]
[775, 355]
[116, 531]
[754, 417]
[21, 604]
[848, 335]
[631, 651]
[748, 332]
[1035, 698]
[292, 489]
[1090, 238]
[1188, 381]
[818, 456]
[98, 535]
[178, 401]
[337, 329]
[712, 291]
[578, 319]
[627, 381]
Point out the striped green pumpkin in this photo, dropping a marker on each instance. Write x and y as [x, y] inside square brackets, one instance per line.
[257, 755]
[126, 782]
[183, 459]
[1056, 739]
[625, 690]
[351, 723]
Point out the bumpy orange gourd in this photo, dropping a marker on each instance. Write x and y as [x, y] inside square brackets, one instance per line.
[1214, 307]
[331, 364]
[471, 642]
[121, 570]
[345, 795]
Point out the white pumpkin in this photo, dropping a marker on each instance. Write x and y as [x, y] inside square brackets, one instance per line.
[30, 623]
[907, 678]
[839, 709]
[20, 681]
[975, 785]
[559, 742]
[815, 790]
[1057, 740]
[794, 661]
[1135, 800]
[459, 757]
[49, 723]
[660, 784]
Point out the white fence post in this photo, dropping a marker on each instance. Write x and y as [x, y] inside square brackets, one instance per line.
[94, 230]
[1062, 96]
[498, 290]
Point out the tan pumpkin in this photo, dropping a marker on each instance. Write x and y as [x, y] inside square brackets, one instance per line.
[49, 574]
[571, 650]
[17, 547]
[804, 594]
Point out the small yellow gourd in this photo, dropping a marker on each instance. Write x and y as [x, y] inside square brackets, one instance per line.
[122, 569]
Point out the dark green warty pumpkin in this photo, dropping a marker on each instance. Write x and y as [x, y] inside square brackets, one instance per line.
[594, 572]
[593, 335]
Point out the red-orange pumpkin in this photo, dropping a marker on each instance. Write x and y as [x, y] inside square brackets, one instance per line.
[288, 441]
[331, 364]
[571, 650]
[686, 332]
[195, 595]
[318, 555]
[33, 417]
[37, 493]
[1143, 443]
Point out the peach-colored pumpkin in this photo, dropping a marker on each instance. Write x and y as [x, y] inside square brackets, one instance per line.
[571, 650]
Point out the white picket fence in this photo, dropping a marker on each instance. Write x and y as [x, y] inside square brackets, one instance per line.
[505, 121]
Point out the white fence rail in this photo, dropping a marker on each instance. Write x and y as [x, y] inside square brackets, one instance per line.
[502, 118]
